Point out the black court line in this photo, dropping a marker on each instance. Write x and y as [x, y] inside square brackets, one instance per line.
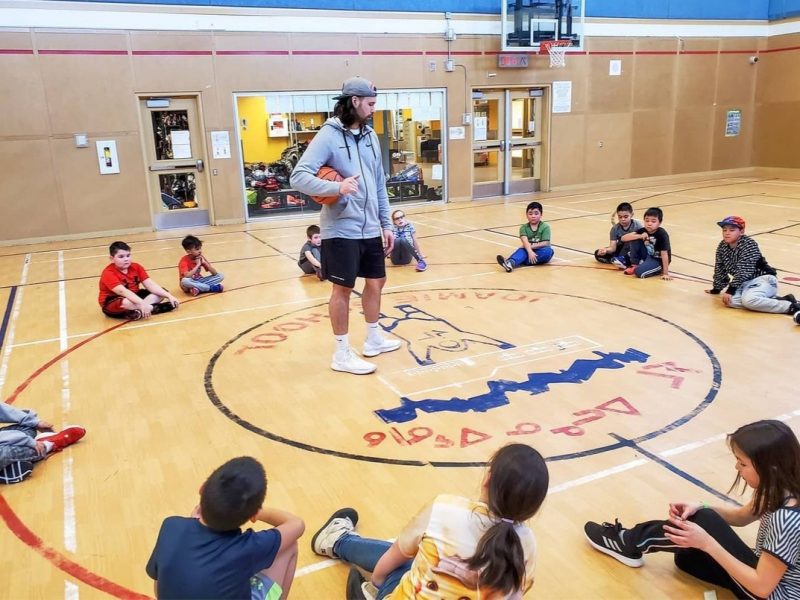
[672, 468]
[7, 315]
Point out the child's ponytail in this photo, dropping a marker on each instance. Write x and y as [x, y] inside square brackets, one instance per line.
[518, 480]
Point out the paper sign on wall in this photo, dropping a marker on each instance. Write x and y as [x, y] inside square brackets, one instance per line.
[181, 144]
[562, 96]
[107, 157]
[733, 123]
[479, 126]
[615, 68]
[220, 144]
[457, 133]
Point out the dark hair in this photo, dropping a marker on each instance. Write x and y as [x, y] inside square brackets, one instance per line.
[624, 207]
[117, 246]
[345, 111]
[233, 494]
[533, 205]
[775, 453]
[654, 212]
[518, 480]
[312, 230]
[190, 242]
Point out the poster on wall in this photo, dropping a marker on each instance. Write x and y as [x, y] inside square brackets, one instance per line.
[278, 125]
[181, 143]
[220, 144]
[562, 96]
[479, 126]
[733, 123]
[107, 157]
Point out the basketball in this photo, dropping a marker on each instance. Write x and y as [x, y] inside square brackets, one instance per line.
[328, 174]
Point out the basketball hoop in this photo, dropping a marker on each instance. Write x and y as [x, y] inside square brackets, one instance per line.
[557, 49]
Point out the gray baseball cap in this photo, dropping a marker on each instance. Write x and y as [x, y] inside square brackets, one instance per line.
[357, 86]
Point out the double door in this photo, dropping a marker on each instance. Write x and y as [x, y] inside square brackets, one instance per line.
[507, 150]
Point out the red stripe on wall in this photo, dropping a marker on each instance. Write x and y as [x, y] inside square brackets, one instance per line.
[606, 53]
[15, 51]
[172, 52]
[87, 52]
[787, 49]
[445, 53]
[252, 53]
[326, 52]
[392, 53]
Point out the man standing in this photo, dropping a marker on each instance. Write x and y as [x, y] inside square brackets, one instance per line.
[356, 230]
[743, 276]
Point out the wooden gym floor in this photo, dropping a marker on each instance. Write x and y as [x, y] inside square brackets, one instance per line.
[627, 385]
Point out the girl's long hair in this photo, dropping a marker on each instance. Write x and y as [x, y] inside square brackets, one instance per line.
[518, 480]
[775, 453]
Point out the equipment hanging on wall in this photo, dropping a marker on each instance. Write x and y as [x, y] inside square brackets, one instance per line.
[557, 49]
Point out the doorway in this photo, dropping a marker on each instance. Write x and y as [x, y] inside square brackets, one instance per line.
[507, 152]
[175, 156]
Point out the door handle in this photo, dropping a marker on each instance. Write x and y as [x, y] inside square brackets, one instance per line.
[200, 165]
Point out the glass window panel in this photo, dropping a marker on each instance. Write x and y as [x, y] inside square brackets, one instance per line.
[164, 123]
[178, 191]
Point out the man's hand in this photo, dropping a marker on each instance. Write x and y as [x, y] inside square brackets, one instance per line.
[388, 241]
[349, 185]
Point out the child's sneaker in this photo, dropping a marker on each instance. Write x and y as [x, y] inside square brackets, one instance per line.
[383, 345]
[162, 307]
[358, 588]
[133, 315]
[68, 436]
[796, 317]
[349, 362]
[629, 270]
[421, 265]
[618, 262]
[16, 471]
[341, 522]
[506, 264]
[217, 288]
[194, 292]
[607, 539]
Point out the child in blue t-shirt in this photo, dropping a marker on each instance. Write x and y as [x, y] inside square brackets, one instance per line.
[406, 245]
[208, 556]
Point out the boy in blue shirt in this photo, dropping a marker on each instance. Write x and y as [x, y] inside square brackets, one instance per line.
[208, 556]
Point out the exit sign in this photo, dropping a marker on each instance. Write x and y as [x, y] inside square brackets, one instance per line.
[512, 61]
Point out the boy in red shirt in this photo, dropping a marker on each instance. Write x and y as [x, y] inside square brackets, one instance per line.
[121, 296]
[191, 266]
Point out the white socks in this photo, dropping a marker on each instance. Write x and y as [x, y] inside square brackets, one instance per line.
[374, 333]
[342, 343]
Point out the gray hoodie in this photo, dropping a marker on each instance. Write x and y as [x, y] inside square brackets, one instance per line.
[359, 216]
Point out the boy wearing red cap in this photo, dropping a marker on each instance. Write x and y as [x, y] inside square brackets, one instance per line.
[743, 276]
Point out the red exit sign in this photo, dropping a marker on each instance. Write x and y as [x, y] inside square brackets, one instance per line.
[512, 61]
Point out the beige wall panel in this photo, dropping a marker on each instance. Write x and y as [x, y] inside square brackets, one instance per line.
[736, 82]
[321, 42]
[779, 76]
[699, 44]
[30, 201]
[89, 93]
[609, 94]
[16, 40]
[252, 74]
[383, 43]
[328, 72]
[696, 78]
[613, 159]
[654, 81]
[656, 45]
[170, 41]
[783, 41]
[97, 202]
[227, 188]
[744, 45]
[651, 145]
[252, 42]
[736, 151]
[778, 132]
[156, 74]
[610, 44]
[691, 150]
[576, 72]
[567, 157]
[22, 98]
[394, 71]
[81, 41]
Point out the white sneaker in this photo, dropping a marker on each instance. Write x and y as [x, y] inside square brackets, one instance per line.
[341, 522]
[350, 362]
[383, 345]
[618, 263]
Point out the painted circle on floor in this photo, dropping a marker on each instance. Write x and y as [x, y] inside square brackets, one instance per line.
[477, 368]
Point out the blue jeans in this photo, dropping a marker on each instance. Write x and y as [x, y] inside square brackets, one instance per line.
[365, 553]
[646, 264]
[203, 284]
[520, 256]
[759, 295]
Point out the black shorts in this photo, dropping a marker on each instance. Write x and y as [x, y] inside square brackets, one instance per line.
[343, 260]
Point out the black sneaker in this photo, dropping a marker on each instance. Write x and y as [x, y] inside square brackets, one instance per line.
[793, 308]
[506, 264]
[787, 297]
[796, 317]
[606, 538]
[133, 315]
[16, 471]
[162, 307]
[356, 586]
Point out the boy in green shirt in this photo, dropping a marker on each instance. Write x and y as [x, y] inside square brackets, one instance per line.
[535, 238]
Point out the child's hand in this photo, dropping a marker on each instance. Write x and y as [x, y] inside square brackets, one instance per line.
[666, 277]
[601, 252]
[683, 510]
[147, 309]
[727, 299]
[532, 257]
[173, 300]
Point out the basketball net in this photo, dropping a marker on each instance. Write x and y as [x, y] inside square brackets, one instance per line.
[557, 49]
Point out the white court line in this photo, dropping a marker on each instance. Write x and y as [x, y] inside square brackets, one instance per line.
[70, 528]
[71, 591]
[503, 244]
[13, 322]
[772, 205]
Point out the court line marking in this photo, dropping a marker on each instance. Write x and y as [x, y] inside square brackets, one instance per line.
[13, 323]
[70, 527]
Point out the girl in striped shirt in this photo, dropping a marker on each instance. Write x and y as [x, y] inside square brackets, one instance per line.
[702, 538]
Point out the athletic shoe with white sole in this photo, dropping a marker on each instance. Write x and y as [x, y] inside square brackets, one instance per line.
[506, 264]
[349, 362]
[607, 538]
[796, 317]
[341, 522]
[617, 262]
[384, 345]
[68, 436]
[16, 471]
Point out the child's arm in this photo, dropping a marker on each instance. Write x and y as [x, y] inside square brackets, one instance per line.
[310, 258]
[387, 563]
[665, 266]
[610, 249]
[207, 265]
[290, 526]
[121, 290]
[192, 272]
[629, 237]
[528, 248]
[152, 287]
